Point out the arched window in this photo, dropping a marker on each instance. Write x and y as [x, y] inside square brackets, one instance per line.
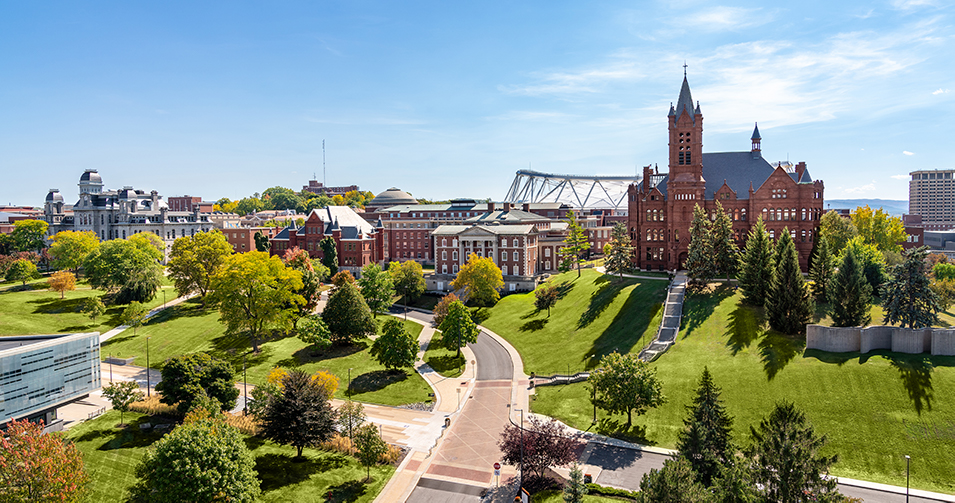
[786, 214]
[676, 235]
[516, 242]
[804, 213]
[803, 236]
[648, 215]
[743, 215]
[504, 269]
[736, 214]
[649, 234]
[779, 214]
[765, 217]
[810, 236]
[772, 234]
[444, 241]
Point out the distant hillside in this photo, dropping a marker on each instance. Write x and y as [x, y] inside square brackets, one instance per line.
[892, 206]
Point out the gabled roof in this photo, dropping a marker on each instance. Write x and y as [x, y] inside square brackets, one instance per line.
[507, 217]
[345, 219]
[454, 230]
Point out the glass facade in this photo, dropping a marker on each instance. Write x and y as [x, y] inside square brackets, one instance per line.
[40, 373]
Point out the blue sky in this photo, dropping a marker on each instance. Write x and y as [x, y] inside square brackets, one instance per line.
[449, 99]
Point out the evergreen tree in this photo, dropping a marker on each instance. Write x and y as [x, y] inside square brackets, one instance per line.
[705, 439]
[821, 269]
[261, 242]
[675, 482]
[757, 273]
[329, 254]
[395, 347]
[788, 305]
[725, 252]
[575, 489]
[907, 298]
[621, 250]
[576, 244]
[850, 293]
[789, 467]
[699, 261]
[347, 315]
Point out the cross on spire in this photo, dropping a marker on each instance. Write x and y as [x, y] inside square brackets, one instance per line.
[684, 68]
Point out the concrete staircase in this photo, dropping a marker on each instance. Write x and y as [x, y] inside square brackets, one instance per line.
[670, 326]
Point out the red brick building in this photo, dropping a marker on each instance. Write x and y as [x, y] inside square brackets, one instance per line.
[512, 247]
[242, 239]
[661, 205]
[358, 242]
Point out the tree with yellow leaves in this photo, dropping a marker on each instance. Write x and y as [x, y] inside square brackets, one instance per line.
[62, 281]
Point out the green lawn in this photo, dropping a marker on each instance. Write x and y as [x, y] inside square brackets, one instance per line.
[111, 455]
[189, 328]
[555, 496]
[875, 408]
[595, 316]
[444, 361]
[40, 311]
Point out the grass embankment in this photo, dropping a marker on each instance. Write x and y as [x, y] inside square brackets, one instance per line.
[555, 496]
[190, 328]
[875, 408]
[37, 310]
[444, 361]
[111, 456]
[595, 316]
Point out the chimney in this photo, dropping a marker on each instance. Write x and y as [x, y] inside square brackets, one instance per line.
[526, 207]
[490, 206]
[507, 206]
[800, 169]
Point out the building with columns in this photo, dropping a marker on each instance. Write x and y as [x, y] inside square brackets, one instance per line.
[747, 185]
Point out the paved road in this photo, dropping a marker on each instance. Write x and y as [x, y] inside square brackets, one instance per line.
[495, 363]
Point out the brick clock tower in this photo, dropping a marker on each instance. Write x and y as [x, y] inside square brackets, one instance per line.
[748, 187]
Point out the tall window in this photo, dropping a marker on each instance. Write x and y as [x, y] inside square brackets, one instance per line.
[516, 256]
[504, 269]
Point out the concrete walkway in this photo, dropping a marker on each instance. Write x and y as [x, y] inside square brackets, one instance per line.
[122, 328]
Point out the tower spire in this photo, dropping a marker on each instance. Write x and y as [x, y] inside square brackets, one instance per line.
[684, 68]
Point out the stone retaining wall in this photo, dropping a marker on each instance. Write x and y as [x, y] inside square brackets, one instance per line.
[938, 341]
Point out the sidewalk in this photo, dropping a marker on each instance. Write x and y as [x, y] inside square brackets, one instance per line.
[120, 329]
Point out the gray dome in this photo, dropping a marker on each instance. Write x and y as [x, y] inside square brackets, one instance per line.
[54, 196]
[91, 176]
[392, 197]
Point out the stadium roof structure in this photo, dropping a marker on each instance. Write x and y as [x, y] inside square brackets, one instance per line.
[581, 191]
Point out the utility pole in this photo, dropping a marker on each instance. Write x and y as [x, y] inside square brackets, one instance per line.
[324, 173]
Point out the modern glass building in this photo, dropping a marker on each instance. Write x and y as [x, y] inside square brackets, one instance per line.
[39, 373]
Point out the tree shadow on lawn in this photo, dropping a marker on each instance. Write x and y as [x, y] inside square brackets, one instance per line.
[187, 309]
[126, 438]
[375, 381]
[915, 371]
[347, 491]
[616, 428]
[628, 326]
[744, 326]
[236, 349]
[447, 363]
[601, 299]
[534, 325]
[564, 288]
[279, 470]
[777, 350]
[309, 355]
[56, 305]
[698, 306]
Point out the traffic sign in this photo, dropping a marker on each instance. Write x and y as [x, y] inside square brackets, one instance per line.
[497, 466]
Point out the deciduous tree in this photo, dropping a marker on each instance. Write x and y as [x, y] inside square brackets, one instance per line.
[706, 436]
[837, 230]
[700, 262]
[70, 248]
[347, 315]
[298, 259]
[626, 384]
[907, 298]
[134, 315]
[441, 309]
[121, 396]
[576, 244]
[545, 443]
[872, 261]
[204, 461]
[788, 464]
[195, 260]
[789, 306]
[187, 377]
[408, 278]
[458, 328]
[725, 252]
[351, 415]
[395, 347]
[481, 278]
[342, 277]
[37, 466]
[314, 332]
[29, 235]
[944, 271]
[545, 297]
[22, 270]
[849, 293]
[94, 307]
[301, 416]
[329, 254]
[256, 292]
[879, 228]
[377, 288]
[370, 447]
[127, 268]
[262, 243]
[620, 252]
[62, 281]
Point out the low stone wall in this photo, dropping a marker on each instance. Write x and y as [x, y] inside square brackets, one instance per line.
[938, 341]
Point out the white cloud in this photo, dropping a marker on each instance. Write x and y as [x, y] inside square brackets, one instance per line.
[869, 187]
[940, 91]
[585, 81]
[912, 4]
[901, 177]
[906, 152]
[722, 18]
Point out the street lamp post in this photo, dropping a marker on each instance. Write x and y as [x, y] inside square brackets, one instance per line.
[521, 479]
[907, 458]
[245, 386]
[148, 393]
[111, 368]
[348, 390]
[164, 299]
